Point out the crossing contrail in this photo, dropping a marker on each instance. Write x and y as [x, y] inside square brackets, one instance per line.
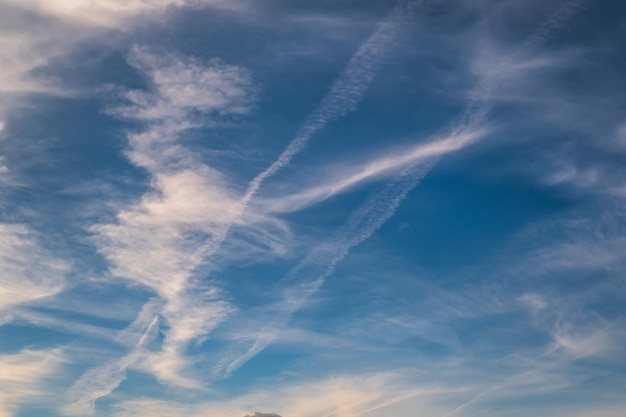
[320, 263]
[343, 97]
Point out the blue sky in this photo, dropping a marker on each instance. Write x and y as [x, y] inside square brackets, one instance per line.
[312, 208]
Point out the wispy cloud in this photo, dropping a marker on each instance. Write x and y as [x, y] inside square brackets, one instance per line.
[105, 13]
[588, 337]
[57, 27]
[48, 321]
[320, 263]
[28, 272]
[345, 396]
[345, 93]
[102, 380]
[529, 312]
[191, 191]
[307, 277]
[156, 242]
[346, 179]
[344, 96]
[22, 376]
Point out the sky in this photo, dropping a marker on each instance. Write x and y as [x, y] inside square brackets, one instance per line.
[321, 208]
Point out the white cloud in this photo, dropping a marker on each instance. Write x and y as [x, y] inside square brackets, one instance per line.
[156, 242]
[183, 87]
[321, 262]
[23, 375]
[344, 95]
[107, 13]
[33, 33]
[27, 271]
[96, 383]
[160, 241]
[583, 337]
[103, 379]
[345, 179]
[535, 302]
[47, 320]
[22, 52]
[341, 396]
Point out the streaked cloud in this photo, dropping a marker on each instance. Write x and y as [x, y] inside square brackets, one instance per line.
[104, 13]
[22, 377]
[158, 242]
[348, 396]
[379, 168]
[306, 209]
[28, 272]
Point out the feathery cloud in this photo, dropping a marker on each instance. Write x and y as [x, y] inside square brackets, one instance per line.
[155, 242]
[22, 376]
[28, 272]
[321, 262]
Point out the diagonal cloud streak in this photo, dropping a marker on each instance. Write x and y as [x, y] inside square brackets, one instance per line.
[321, 262]
[343, 97]
[345, 93]
[100, 381]
[386, 166]
[152, 242]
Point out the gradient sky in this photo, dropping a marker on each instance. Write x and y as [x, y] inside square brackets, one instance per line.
[312, 208]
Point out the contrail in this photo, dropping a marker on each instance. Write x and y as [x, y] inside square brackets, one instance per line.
[477, 397]
[344, 95]
[100, 381]
[321, 262]
[135, 332]
[381, 205]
